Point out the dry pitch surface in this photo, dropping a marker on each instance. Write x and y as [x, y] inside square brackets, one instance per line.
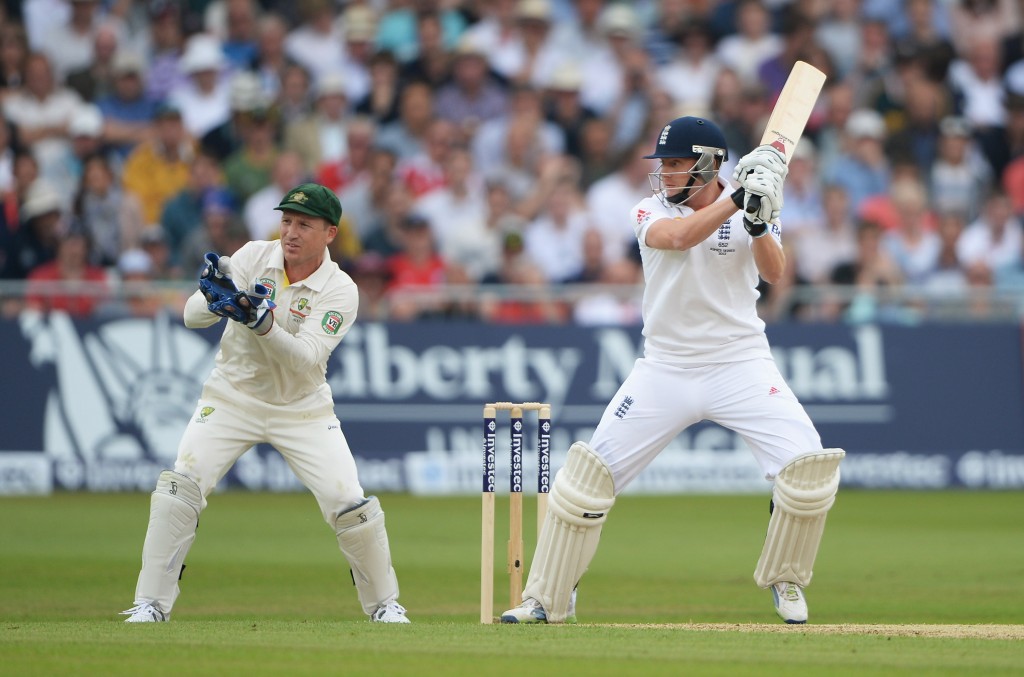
[1011, 632]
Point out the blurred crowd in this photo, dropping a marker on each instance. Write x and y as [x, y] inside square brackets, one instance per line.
[483, 145]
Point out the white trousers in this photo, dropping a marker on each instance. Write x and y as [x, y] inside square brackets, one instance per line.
[308, 437]
[658, 401]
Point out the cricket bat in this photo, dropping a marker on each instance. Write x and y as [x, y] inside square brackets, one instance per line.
[791, 112]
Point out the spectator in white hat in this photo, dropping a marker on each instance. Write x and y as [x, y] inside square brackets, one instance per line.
[127, 112]
[205, 100]
[322, 137]
[316, 45]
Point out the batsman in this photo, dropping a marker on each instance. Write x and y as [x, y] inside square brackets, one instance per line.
[287, 306]
[703, 244]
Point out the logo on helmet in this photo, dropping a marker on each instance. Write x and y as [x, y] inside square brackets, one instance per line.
[663, 139]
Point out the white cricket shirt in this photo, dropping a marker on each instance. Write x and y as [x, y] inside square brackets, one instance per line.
[700, 304]
[288, 364]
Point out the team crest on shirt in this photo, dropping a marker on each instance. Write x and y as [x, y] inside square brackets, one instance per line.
[331, 322]
[270, 284]
[300, 308]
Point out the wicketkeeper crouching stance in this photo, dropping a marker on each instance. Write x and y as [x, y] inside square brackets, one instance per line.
[706, 356]
[269, 386]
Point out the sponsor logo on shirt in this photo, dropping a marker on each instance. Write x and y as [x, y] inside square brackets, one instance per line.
[270, 284]
[331, 322]
[204, 413]
[642, 215]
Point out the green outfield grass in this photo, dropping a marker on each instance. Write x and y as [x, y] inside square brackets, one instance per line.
[266, 591]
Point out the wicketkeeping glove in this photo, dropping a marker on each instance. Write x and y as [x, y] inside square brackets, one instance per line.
[219, 289]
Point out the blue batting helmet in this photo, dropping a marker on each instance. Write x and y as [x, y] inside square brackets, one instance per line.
[690, 137]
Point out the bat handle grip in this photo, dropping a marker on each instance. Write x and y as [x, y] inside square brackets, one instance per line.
[753, 204]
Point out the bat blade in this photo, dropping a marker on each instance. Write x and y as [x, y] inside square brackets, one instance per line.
[793, 108]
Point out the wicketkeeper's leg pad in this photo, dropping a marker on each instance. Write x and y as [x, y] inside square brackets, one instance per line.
[173, 517]
[581, 496]
[364, 542]
[804, 491]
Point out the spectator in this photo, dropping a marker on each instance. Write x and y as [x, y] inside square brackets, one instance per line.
[752, 44]
[598, 157]
[364, 198]
[95, 77]
[949, 275]
[316, 44]
[840, 34]
[608, 70]
[382, 101]
[204, 100]
[457, 214]
[803, 209]
[387, 234]
[69, 283]
[868, 274]
[531, 302]
[564, 107]
[994, 240]
[554, 240]
[371, 274]
[405, 136]
[221, 231]
[321, 138]
[247, 102]
[248, 169]
[398, 33]
[261, 222]
[609, 201]
[491, 145]
[69, 45]
[534, 54]
[960, 178]
[472, 96]
[270, 61]
[240, 34]
[13, 57]
[128, 113]
[433, 62]
[355, 165]
[138, 297]
[35, 241]
[165, 28]
[159, 168]
[498, 29]
[153, 241]
[619, 303]
[295, 100]
[976, 77]
[41, 112]
[360, 32]
[111, 218]
[913, 244]
[424, 172]
[817, 250]
[862, 169]
[695, 64]
[416, 267]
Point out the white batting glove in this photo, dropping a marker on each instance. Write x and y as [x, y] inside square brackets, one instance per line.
[767, 186]
[763, 157]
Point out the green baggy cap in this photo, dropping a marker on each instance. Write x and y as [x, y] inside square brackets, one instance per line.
[313, 199]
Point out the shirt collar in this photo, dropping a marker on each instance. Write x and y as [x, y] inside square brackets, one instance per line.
[317, 281]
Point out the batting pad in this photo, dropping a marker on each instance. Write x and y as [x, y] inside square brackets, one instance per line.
[173, 517]
[581, 496]
[364, 542]
[805, 489]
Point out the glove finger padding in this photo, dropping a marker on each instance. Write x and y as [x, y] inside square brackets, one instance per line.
[765, 157]
[260, 310]
[219, 289]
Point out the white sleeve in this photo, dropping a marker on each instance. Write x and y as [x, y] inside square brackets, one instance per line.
[320, 334]
[196, 314]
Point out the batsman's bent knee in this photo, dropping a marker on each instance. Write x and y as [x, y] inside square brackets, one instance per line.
[805, 490]
[581, 497]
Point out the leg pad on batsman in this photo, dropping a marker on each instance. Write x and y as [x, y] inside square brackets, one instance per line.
[581, 497]
[804, 491]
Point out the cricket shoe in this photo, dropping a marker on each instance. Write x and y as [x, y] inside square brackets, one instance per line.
[392, 612]
[144, 612]
[789, 602]
[530, 611]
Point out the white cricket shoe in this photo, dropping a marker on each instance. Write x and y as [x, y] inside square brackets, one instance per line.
[789, 602]
[530, 611]
[144, 612]
[392, 612]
